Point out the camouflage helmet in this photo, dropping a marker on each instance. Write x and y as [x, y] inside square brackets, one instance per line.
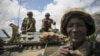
[81, 12]
[47, 14]
[29, 13]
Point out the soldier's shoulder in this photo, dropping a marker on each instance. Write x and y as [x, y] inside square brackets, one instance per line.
[51, 19]
[33, 19]
[43, 19]
[25, 18]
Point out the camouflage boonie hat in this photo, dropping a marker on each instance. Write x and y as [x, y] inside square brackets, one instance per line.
[81, 12]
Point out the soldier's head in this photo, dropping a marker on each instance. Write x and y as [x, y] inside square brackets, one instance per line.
[13, 25]
[29, 14]
[47, 15]
[77, 24]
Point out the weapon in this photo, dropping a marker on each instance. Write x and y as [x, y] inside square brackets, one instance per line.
[6, 33]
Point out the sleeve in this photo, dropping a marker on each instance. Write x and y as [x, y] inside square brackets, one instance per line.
[34, 22]
[23, 23]
[53, 22]
[42, 23]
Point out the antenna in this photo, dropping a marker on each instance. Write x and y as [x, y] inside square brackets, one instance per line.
[19, 11]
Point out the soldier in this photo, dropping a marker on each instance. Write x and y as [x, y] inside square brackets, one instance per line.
[14, 33]
[28, 24]
[46, 23]
[77, 25]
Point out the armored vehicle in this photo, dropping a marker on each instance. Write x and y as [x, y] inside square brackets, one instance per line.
[31, 44]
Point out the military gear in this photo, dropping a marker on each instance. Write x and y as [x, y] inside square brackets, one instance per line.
[47, 14]
[46, 24]
[14, 33]
[29, 13]
[83, 50]
[80, 12]
[28, 25]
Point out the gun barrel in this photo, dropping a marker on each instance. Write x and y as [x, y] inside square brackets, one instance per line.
[5, 33]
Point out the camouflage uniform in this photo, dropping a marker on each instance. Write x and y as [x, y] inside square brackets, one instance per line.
[86, 47]
[28, 25]
[14, 32]
[88, 20]
[46, 23]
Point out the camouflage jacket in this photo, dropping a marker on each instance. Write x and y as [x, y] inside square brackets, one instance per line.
[46, 23]
[28, 25]
[85, 49]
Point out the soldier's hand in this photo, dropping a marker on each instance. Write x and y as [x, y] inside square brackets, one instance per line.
[62, 51]
[26, 30]
[54, 23]
[76, 53]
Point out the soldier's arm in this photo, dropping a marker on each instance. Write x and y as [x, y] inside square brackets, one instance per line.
[77, 53]
[32, 25]
[53, 22]
[34, 22]
[43, 24]
[22, 26]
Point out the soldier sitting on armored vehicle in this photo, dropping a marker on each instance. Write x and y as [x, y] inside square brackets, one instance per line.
[77, 25]
[46, 23]
[14, 33]
[28, 24]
